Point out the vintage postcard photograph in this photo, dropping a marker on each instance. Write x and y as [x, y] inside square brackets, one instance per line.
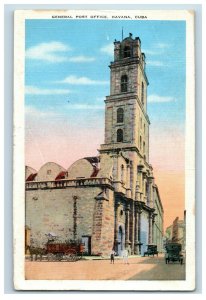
[104, 150]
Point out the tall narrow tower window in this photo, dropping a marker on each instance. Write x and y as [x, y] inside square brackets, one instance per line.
[119, 135]
[140, 142]
[122, 173]
[142, 93]
[124, 83]
[120, 115]
[127, 52]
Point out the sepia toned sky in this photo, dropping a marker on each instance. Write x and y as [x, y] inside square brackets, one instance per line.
[67, 79]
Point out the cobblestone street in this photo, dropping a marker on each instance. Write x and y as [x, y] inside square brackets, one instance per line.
[139, 268]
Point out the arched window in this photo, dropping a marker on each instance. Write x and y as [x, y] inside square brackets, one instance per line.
[127, 52]
[124, 83]
[120, 115]
[119, 135]
[142, 93]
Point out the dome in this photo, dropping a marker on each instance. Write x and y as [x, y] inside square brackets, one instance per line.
[30, 173]
[84, 168]
[49, 172]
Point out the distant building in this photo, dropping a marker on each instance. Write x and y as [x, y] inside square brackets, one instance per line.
[177, 231]
[108, 201]
[158, 220]
[168, 233]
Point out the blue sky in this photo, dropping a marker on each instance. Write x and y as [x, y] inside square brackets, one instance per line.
[66, 81]
[67, 74]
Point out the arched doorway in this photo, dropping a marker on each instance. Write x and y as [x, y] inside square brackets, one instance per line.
[120, 245]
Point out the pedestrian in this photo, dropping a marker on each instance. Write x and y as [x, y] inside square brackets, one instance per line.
[112, 254]
[125, 256]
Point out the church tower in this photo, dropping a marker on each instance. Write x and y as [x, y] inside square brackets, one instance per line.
[126, 119]
[127, 144]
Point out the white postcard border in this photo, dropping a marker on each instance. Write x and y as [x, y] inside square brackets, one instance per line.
[19, 171]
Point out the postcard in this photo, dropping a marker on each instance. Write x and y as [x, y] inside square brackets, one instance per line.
[104, 139]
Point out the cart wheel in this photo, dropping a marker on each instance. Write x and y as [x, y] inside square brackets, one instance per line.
[71, 256]
[59, 256]
[79, 256]
[50, 257]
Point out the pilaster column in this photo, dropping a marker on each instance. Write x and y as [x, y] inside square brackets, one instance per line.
[128, 182]
[128, 176]
[150, 229]
[150, 195]
[153, 222]
[127, 240]
[144, 178]
[137, 242]
[132, 183]
[140, 176]
[136, 220]
[117, 205]
[118, 169]
[153, 227]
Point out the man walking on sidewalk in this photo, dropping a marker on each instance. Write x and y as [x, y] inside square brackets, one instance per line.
[125, 256]
[112, 254]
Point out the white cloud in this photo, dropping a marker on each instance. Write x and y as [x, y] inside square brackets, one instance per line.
[100, 99]
[32, 112]
[155, 63]
[32, 90]
[162, 45]
[160, 99]
[50, 52]
[54, 52]
[156, 49]
[108, 49]
[81, 58]
[150, 52]
[82, 81]
[85, 106]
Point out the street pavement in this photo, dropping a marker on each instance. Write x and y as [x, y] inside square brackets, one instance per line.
[138, 268]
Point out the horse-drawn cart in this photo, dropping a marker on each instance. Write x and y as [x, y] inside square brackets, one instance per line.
[58, 251]
[64, 251]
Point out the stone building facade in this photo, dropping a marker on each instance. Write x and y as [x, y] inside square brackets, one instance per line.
[158, 220]
[109, 201]
[177, 232]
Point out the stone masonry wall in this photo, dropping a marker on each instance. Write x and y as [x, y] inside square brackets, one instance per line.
[53, 211]
[103, 229]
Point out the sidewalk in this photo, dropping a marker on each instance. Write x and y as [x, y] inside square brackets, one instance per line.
[107, 257]
[27, 257]
[91, 269]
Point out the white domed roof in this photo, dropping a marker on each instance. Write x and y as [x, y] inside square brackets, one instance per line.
[49, 172]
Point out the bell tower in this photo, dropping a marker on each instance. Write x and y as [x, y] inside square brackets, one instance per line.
[126, 119]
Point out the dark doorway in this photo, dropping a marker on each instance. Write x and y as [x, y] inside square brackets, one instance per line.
[120, 245]
[86, 240]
